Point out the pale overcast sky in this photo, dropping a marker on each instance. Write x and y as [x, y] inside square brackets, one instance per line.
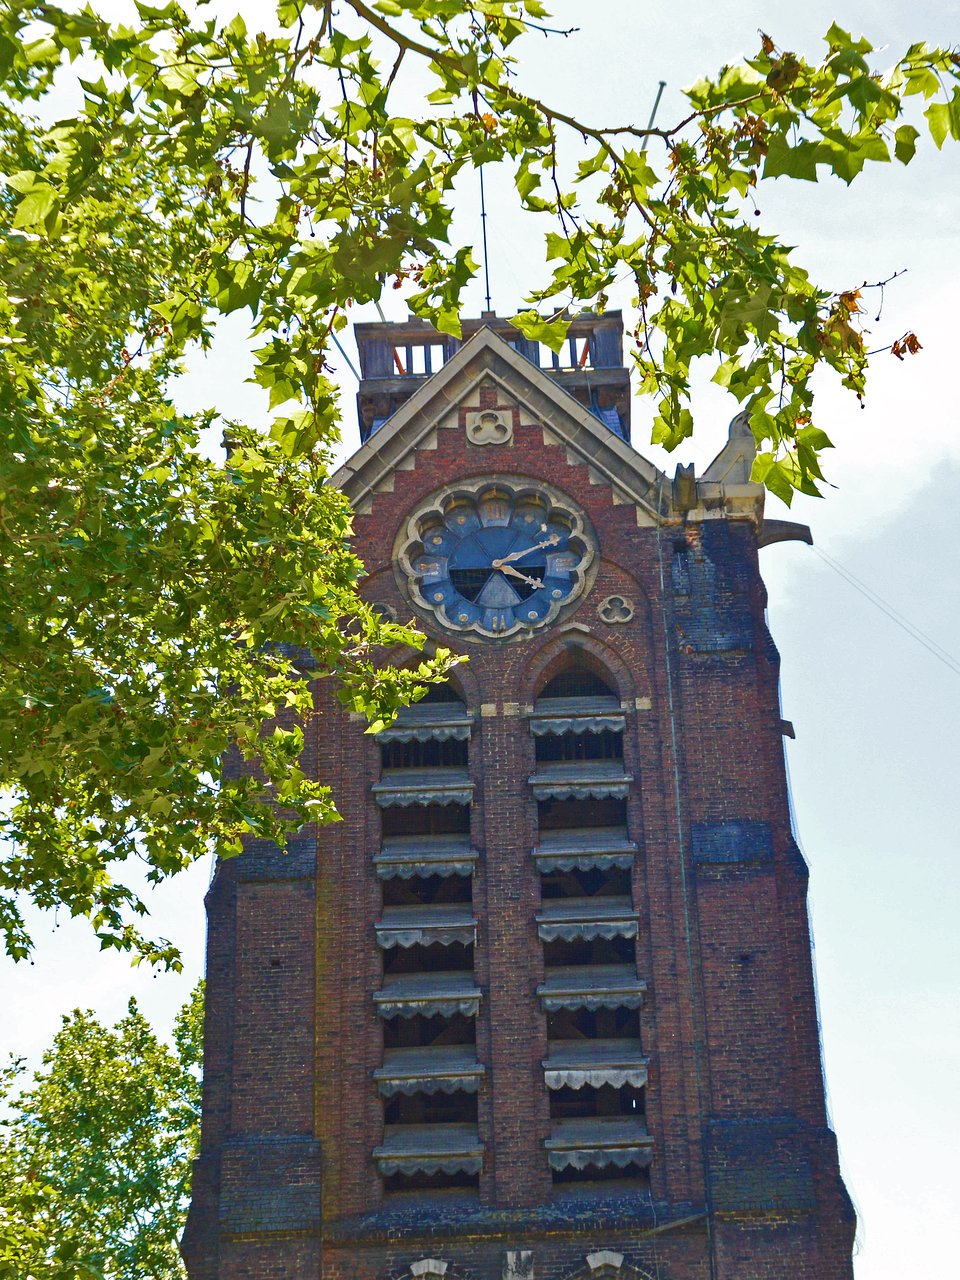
[873, 766]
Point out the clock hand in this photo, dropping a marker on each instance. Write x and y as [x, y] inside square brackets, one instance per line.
[518, 555]
[515, 573]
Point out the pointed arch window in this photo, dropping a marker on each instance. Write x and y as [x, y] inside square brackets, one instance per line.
[578, 681]
[441, 715]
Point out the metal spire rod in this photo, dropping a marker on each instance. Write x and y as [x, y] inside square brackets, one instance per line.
[656, 103]
[483, 224]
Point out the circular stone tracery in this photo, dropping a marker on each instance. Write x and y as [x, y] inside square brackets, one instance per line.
[497, 557]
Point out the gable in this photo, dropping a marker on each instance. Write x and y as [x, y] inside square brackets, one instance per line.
[489, 391]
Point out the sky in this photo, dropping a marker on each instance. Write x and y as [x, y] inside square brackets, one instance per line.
[873, 767]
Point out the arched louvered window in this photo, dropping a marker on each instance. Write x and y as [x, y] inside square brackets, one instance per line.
[578, 682]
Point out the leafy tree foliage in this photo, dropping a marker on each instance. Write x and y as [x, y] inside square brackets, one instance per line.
[155, 597]
[95, 1155]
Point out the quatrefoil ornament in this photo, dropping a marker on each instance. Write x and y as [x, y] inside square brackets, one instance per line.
[489, 426]
[616, 609]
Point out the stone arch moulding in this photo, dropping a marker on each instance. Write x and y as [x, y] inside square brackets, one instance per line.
[571, 645]
[429, 1269]
[607, 1264]
[461, 678]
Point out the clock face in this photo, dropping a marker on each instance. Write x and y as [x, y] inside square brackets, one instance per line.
[496, 560]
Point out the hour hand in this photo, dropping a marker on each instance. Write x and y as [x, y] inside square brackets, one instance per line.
[515, 573]
[518, 555]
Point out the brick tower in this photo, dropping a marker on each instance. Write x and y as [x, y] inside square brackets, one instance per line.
[541, 1006]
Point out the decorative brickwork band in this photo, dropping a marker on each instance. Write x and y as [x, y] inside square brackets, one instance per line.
[263, 860]
[759, 1165]
[270, 1184]
[711, 586]
[732, 842]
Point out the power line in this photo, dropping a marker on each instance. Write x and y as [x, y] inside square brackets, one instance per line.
[937, 650]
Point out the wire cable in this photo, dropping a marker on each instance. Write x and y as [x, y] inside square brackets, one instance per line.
[928, 643]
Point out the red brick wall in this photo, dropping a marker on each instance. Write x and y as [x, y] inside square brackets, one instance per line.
[730, 1020]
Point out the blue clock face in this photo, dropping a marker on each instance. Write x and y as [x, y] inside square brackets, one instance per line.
[496, 562]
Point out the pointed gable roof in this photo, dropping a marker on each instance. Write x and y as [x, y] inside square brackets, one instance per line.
[565, 421]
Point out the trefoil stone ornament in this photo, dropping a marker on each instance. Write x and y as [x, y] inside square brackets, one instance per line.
[489, 426]
[616, 609]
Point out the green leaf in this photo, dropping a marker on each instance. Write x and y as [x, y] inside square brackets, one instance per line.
[725, 373]
[181, 77]
[39, 203]
[814, 437]
[751, 312]
[944, 119]
[41, 52]
[275, 123]
[847, 156]
[552, 333]
[775, 475]
[639, 173]
[906, 143]
[672, 425]
[297, 434]
[740, 81]
[797, 161]
[837, 38]
[597, 163]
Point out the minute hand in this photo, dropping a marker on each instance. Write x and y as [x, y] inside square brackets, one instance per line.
[518, 555]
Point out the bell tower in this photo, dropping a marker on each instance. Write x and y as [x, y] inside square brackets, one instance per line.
[541, 1006]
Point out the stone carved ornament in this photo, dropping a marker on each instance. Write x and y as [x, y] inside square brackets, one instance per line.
[616, 609]
[431, 1269]
[489, 426]
[607, 1264]
[519, 1264]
